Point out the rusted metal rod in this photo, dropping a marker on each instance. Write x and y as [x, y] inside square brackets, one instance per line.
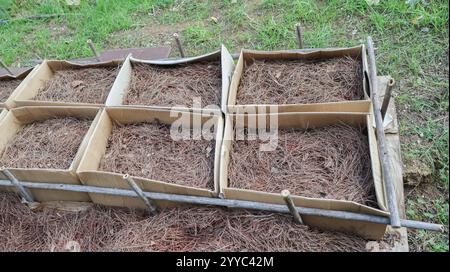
[385, 158]
[387, 97]
[178, 42]
[287, 198]
[298, 32]
[231, 203]
[94, 51]
[6, 67]
[149, 203]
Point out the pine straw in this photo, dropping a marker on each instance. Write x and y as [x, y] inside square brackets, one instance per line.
[301, 81]
[147, 150]
[332, 162]
[175, 229]
[175, 85]
[52, 143]
[7, 86]
[86, 85]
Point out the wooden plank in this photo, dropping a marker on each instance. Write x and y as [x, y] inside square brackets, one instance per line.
[393, 147]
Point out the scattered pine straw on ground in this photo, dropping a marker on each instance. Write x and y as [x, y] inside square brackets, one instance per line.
[51, 143]
[147, 150]
[301, 81]
[332, 162]
[175, 229]
[85, 85]
[7, 86]
[175, 85]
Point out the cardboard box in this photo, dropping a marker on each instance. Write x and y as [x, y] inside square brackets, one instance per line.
[25, 77]
[89, 172]
[119, 90]
[18, 118]
[45, 71]
[247, 56]
[312, 120]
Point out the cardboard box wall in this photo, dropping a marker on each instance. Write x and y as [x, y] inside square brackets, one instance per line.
[16, 119]
[247, 56]
[45, 71]
[25, 77]
[119, 90]
[313, 120]
[89, 172]
[3, 113]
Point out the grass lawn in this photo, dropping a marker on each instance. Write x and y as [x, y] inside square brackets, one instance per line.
[411, 39]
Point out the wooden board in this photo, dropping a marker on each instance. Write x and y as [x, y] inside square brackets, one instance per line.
[393, 146]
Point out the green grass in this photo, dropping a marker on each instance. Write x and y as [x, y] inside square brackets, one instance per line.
[412, 46]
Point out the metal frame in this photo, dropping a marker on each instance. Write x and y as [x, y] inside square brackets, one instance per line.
[231, 203]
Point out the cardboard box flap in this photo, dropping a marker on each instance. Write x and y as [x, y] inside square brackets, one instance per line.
[206, 57]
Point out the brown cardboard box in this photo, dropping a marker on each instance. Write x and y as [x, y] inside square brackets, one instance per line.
[16, 119]
[312, 120]
[248, 56]
[45, 72]
[120, 89]
[89, 172]
[25, 77]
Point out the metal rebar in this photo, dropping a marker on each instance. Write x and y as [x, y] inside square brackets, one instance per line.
[298, 32]
[231, 203]
[6, 68]
[385, 158]
[24, 193]
[149, 203]
[94, 51]
[178, 42]
[290, 204]
[387, 97]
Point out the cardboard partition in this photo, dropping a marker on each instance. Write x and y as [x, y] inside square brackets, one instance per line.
[25, 76]
[3, 113]
[120, 89]
[45, 71]
[89, 172]
[310, 120]
[248, 56]
[16, 119]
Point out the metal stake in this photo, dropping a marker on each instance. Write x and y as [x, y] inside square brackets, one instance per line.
[298, 31]
[287, 198]
[180, 47]
[387, 97]
[94, 51]
[6, 68]
[24, 193]
[149, 203]
[385, 158]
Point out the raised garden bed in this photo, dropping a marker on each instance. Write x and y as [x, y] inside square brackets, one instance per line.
[301, 81]
[319, 80]
[175, 85]
[52, 143]
[64, 83]
[331, 162]
[45, 144]
[139, 142]
[147, 150]
[86, 85]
